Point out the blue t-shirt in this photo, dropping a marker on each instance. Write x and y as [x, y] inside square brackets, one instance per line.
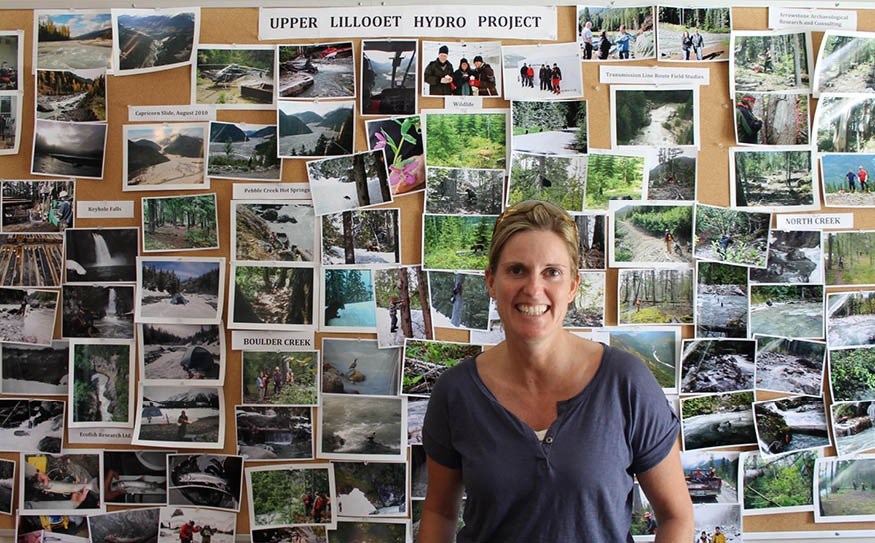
[576, 485]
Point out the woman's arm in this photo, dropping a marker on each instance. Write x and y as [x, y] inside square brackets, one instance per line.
[440, 513]
[666, 490]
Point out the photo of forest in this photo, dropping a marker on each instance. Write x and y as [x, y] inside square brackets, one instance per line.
[653, 117]
[852, 426]
[772, 179]
[178, 223]
[786, 310]
[301, 389]
[234, 76]
[77, 96]
[324, 70]
[733, 236]
[721, 300]
[713, 24]
[349, 298]
[639, 25]
[368, 236]
[315, 129]
[557, 179]
[852, 373]
[717, 420]
[613, 177]
[840, 492]
[793, 366]
[401, 140]
[456, 242]
[591, 231]
[785, 119]
[466, 140]
[549, 128]
[100, 388]
[425, 361]
[794, 257]
[850, 258]
[237, 151]
[164, 154]
[651, 234]
[777, 482]
[851, 319]
[837, 170]
[655, 296]
[587, 309]
[459, 300]
[777, 61]
[276, 495]
[841, 126]
[279, 295]
[403, 305]
[349, 182]
[464, 190]
[181, 289]
[845, 63]
[674, 175]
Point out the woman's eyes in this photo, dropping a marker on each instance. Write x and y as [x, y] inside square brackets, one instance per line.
[553, 272]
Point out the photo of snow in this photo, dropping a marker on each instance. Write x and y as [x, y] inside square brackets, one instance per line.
[222, 524]
[349, 302]
[176, 353]
[526, 75]
[32, 425]
[267, 230]
[349, 182]
[403, 305]
[713, 519]
[359, 367]
[182, 290]
[27, 316]
[370, 236]
[362, 428]
[366, 489]
[28, 370]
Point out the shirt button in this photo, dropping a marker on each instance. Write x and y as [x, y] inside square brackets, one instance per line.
[549, 440]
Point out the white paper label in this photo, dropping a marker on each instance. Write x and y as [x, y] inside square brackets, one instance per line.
[171, 113]
[815, 221]
[521, 22]
[116, 209]
[97, 436]
[272, 191]
[463, 102]
[248, 340]
[636, 75]
[813, 19]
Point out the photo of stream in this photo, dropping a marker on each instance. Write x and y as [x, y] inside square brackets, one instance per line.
[791, 424]
[720, 420]
[101, 381]
[361, 427]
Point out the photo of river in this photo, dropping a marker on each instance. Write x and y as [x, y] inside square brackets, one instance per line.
[361, 427]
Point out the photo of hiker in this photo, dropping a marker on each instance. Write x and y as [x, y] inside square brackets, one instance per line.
[426, 360]
[732, 236]
[655, 296]
[243, 151]
[456, 242]
[549, 128]
[779, 484]
[323, 70]
[658, 234]
[81, 40]
[138, 524]
[205, 480]
[292, 495]
[135, 477]
[466, 140]
[786, 310]
[271, 231]
[149, 40]
[314, 534]
[37, 206]
[11, 59]
[852, 373]
[717, 365]
[190, 524]
[362, 428]
[467, 79]
[850, 319]
[459, 300]
[841, 179]
[370, 236]
[10, 113]
[389, 80]
[233, 77]
[165, 156]
[401, 140]
[68, 149]
[7, 473]
[27, 315]
[560, 180]
[274, 432]
[721, 300]
[693, 34]
[176, 354]
[61, 484]
[180, 223]
[348, 303]
[621, 33]
[101, 377]
[848, 258]
[349, 182]
[182, 290]
[779, 179]
[711, 477]
[371, 489]
[179, 416]
[464, 190]
[717, 523]
[852, 427]
[795, 256]
[777, 60]
[403, 305]
[845, 63]
[272, 296]
[30, 370]
[587, 309]
[280, 377]
[383, 530]
[658, 347]
[717, 420]
[100, 254]
[771, 119]
[843, 489]
[613, 176]
[643, 520]
[359, 367]
[73, 96]
[315, 129]
[792, 366]
[652, 116]
[542, 72]
[795, 423]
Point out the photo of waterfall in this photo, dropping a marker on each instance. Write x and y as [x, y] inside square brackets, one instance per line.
[101, 383]
[98, 311]
[107, 255]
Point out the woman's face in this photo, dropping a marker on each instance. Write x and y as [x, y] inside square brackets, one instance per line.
[464, 66]
[533, 283]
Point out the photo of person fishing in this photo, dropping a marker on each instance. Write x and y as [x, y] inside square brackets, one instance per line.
[62, 483]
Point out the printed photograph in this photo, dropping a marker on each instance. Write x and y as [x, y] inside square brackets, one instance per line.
[314, 534]
[718, 420]
[771, 118]
[786, 310]
[135, 477]
[37, 206]
[72, 96]
[777, 484]
[276, 432]
[98, 311]
[686, 34]
[101, 382]
[852, 374]
[79, 40]
[591, 232]
[140, 524]
[461, 68]
[716, 520]
[278, 377]
[711, 477]
[218, 526]
[181, 290]
[32, 425]
[555, 66]
[10, 112]
[794, 257]
[273, 231]
[180, 416]
[549, 128]
[362, 237]
[29, 370]
[651, 116]
[272, 297]
[611, 176]
[717, 365]
[655, 296]
[11, 57]
[158, 156]
[349, 182]
[31, 260]
[849, 258]
[464, 190]
[403, 306]
[180, 223]
[721, 300]
[466, 140]
[401, 140]
[557, 179]
[68, 149]
[291, 495]
[658, 348]
[418, 470]
[791, 424]
[845, 63]
[7, 473]
[845, 179]
[236, 77]
[34, 527]
[673, 176]
[774, 180]
[587, 309]
[658, 234]
[792, 366]
[362, 427]
[205, 480]
[459, 300]
[101, 254]
[243, 151]
[770, 61]
[732, 236]
[359, 366]
[27, 316]
[837, 125]
[371, 489]
[840, 490]
[643, 519]
[850, 319]
[389, 80]
[607, 33]
[175, 353]
[852, 426]
[323, 70]
[154, 39]
[61, 483]
[415, 416]
[349, 299]
[315, 129]
[456, 242]
[425, 361]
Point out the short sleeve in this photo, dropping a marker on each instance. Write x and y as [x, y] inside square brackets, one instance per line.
[436, 433]
[654, 426]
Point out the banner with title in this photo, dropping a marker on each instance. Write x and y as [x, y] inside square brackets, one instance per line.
[520, 22]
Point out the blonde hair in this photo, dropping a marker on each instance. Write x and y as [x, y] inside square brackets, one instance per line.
[532, 215]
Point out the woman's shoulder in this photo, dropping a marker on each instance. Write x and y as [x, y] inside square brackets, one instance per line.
[624, 365]
[457, 377]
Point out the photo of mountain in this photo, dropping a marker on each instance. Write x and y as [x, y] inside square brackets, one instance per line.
[165, 155]
[148, 38]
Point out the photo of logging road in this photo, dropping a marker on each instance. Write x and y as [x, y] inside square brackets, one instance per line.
[30, 260]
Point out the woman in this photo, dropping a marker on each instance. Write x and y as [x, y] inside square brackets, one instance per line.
[604, 45]
[462, 78]
[546, 429]
[686, 44]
